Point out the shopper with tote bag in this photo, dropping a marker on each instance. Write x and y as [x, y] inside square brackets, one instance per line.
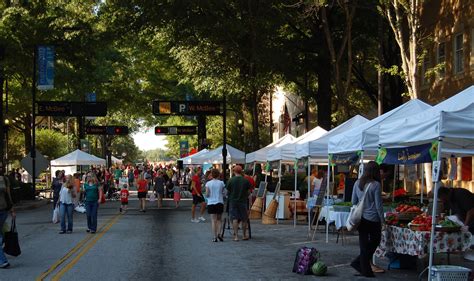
[367, 217]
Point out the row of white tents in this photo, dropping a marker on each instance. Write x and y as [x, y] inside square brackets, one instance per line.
[450, 122]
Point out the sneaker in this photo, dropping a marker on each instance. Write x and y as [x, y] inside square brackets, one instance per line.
[5, 265]
[69, 231]
[88, 230]
[62, 232]
[202, 219]
[194, 220]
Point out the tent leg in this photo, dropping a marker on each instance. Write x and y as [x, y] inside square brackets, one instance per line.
[422, 182]
[278, 195]
[294, 194]
[308, 197]
[435, 208]
[328, 177]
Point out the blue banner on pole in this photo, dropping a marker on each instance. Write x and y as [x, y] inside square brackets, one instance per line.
[91, 97]
[424, 153]
[45, 68]
[345, 159]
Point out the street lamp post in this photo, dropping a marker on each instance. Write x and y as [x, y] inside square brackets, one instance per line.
[240, 124]
[67, 132]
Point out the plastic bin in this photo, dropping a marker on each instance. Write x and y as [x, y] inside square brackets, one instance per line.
[449, 273]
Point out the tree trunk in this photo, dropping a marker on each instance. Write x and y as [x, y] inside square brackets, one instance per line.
[255, 129]
[323, 97]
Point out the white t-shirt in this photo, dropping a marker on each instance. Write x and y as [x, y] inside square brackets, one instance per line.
[317, 186]
[216, 192]
[65, 196]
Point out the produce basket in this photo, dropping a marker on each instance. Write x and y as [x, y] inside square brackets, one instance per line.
[448, 229]
[449, 273]
[407, 216]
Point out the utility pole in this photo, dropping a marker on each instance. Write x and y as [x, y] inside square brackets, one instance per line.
[33, 121]
[201, 132]
[2, 131]
[224, 140]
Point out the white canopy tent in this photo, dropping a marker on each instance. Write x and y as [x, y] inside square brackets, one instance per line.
[78, 157]
[318, 148]
[451, 122]
[366, 136]
[115, 160]
[69, 162]
[234, 156]
[261, 154]
[287, 152]
[188, 160]
[452, 119]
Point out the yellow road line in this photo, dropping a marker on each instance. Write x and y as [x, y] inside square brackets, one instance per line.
[86, 249]
[70, 253]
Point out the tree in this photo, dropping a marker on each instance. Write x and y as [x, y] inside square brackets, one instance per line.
[51, 142]
[404, 19]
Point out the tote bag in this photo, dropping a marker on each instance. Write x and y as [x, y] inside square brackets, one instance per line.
[56, 214]
[12, 247]
[355, 216]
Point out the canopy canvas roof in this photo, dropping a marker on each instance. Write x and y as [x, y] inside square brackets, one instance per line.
[78, 157]
[188, 160]
[452, 119]
[261, 154]
[234, 156]
[366, 136]
[287, 152]
[318, 148]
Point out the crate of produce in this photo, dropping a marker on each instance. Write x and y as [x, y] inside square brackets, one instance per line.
[449, 273]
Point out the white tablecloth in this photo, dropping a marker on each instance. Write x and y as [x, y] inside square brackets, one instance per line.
[339, 218]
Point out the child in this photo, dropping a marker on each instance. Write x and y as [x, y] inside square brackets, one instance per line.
[177, 194]
[124, 198]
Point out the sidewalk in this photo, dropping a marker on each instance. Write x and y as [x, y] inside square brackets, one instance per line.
[31, 204]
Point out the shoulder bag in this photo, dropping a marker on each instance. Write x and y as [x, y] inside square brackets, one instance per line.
[355, 216]
[12, 247]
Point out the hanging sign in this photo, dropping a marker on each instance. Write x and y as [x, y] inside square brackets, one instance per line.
[344, 158]
[45, 63]
[424, 153]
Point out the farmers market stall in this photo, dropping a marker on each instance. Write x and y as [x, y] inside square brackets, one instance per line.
[447, 126]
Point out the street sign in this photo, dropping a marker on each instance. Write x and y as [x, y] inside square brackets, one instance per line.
[91, 97]
[41, 163]
[107, 130]
[176, 130]
[45, 68]
[85, 145]
[65, 108]
[187, 107]
[53, 108]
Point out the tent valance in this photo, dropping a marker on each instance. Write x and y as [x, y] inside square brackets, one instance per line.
[78, 157]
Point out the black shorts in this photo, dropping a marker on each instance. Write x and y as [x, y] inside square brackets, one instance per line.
[125, 203]
[197, 199]
[238, 211]
[142, 194]
[215, 208]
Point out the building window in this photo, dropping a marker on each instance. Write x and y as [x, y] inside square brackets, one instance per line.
[458, 53]
[441, 59]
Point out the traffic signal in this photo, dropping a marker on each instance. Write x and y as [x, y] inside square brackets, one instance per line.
[161, 130]
[120, 130]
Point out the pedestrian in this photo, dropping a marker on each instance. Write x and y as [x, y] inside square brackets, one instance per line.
[176, 195]
[142, 191]
[370, 227]
[91, 189]
[56, 186]
[117, 175]
[238, 188]
[77, 188]
[6, 206]
[67, 196]
[215, 203]
[124, 198]
[131, 178]
[159, 188]
[198, 198]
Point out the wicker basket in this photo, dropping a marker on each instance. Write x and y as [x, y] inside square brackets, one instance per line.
[256, 210]
[407, 216]
[268, 220]
[272, 209]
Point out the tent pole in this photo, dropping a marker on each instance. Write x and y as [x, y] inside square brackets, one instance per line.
[278, 195]
[253, 169]
[435, 207]
[308, 197]
[422, 182]
[294, 194]
[328, 177]
[395, 174]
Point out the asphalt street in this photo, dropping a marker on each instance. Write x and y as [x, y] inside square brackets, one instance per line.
[162, 244]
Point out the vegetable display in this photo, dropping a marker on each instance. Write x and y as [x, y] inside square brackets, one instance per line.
[391, 218]
[421, 222]
[405, 208]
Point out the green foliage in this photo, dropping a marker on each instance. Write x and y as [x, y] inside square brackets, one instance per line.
[51, 143]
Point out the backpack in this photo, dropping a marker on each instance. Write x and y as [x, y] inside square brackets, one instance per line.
[304, 260]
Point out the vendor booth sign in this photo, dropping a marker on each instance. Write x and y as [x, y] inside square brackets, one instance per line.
[344, 158]
[424, 153]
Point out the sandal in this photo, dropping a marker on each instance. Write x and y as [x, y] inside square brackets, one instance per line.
[245, 238]
[220, 238]
[214, 240]
[236, 239]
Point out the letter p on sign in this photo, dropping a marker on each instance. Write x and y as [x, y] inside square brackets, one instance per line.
[182, 108]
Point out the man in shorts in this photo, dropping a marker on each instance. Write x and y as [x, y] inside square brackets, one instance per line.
[198, 198]
[238, 188]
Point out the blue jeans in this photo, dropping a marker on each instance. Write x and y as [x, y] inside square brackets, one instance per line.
[66, 209]
[3, 218]
[91, 211]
